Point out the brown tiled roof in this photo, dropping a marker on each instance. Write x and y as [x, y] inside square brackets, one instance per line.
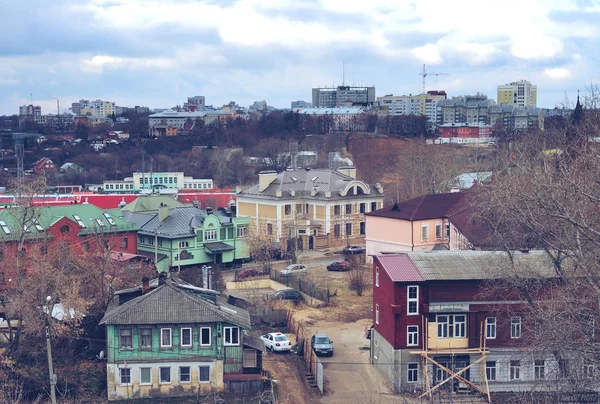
[424, 207]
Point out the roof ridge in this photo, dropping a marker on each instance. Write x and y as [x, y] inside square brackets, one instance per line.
[422, 198]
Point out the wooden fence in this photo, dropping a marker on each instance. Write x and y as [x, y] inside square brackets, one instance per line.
[312, 362]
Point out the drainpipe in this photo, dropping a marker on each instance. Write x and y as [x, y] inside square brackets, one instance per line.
[412, 236]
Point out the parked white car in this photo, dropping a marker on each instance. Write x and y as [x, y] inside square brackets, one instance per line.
[293, 269]
[276, 341]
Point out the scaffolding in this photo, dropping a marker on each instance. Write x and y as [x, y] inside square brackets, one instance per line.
[453, 374]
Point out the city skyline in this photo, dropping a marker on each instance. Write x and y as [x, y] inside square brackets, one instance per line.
[156, 53]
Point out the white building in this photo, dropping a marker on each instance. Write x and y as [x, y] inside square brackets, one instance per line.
[421, 104]
[147, 181]
[519, 93]
[340, 119]
[94, 108]
[179, 118]
[329, 97]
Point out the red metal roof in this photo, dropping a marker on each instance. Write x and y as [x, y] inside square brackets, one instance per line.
[400, 268]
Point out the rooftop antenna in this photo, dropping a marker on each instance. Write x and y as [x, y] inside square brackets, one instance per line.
[344, 73]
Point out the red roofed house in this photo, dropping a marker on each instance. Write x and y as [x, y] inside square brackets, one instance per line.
[434, 325]
[42, 165]
[426, 223]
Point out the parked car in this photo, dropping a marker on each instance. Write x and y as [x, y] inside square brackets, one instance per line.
[276, 341]
[339, 266]
[321, 344]
[287, 294]
[353, 249]
[249, 273]
[293, 269]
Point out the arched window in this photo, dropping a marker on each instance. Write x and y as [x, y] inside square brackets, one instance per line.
[65, 229]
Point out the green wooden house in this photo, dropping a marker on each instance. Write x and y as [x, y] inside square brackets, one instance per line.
[169, 338]
[185, 236]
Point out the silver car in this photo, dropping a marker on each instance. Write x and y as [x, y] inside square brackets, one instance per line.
[321, 344]
[293, 269]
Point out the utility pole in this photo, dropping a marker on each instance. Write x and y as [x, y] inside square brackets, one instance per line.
[49, 349]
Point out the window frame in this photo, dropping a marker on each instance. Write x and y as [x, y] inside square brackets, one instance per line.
[438, 229]
[200, 374]
[287, 209]
[130, 346]
[514, 370]
[209, 336]
[490, 326]
[145, 347]
[242, 231]
[539, 364]
[463, 328]
[121, 376]
[410, 300]
[160, 375]
[230, 336]
[142, 383]
[493, 371]
[251, 352]
[376, 314]
[162, 330]
[412, 335]
[447, 230]
[441, 324]
[376, 276]
[514, 327]
[412, 374]
[191, 344]
[211, 232]
[189, 368]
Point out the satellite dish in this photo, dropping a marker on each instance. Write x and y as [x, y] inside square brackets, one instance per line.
[100, 355]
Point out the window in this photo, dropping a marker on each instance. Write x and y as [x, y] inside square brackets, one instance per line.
[165, 338]
[249, 359]
[413, 300]
[589, 371]
[447, 230]
[563, 368]
[362, 207]
[307, 208]
[124, 243]
[377, 276]
[442, 326]
[348, 229]
[336, 230]
[269, 228]
[105, 244]
[43, 251]
[515, 370]
[165, 374]
[362, 228]
[210, 235]
[337, 210]
[241, 232]
[438, 230]
[424, 232]
[232, 335]
[515, 327]
[145, 376]
[539, 369]
[125, 341]
[376, 314]
[490, 370]
[287, 210]
[460, 329]
[490, 327]
[205, 336]
[186, 337]
[145, 338]
[348, 208]
[412, 335]
[373, 206]
[65, 229]
[184, 374]
[184, 244]
[204, 374]
[413, 372]
[86, 246]
[1, 278]
[125, 375]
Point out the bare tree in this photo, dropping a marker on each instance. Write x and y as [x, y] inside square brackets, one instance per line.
[359, 278]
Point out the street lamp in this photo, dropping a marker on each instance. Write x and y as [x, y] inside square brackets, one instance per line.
[49, 349]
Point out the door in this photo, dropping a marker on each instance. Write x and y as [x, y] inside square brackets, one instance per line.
[218, 258]
[311, 243]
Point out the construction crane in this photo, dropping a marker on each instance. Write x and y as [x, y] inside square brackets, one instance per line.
[425, 73]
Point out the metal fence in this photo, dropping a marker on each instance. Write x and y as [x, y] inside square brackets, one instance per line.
[308, 287]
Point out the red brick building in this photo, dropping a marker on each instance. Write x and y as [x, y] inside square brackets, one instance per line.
[43, 165]
[464, 131]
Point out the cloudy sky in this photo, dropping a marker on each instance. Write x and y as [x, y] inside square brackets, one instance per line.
[157, 52]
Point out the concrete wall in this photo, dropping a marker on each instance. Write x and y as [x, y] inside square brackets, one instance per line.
[386, 360]
[175, 388]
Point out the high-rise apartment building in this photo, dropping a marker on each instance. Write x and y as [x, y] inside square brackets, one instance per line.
[300, 104]
[30, 110]
[469, 109]
[97, 108]
[422, 104]
[519, 93]
[329, 97]
[196, 103]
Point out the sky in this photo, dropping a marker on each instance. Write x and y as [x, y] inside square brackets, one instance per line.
[156, 53]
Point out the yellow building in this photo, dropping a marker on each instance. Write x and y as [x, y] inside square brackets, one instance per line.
[520, 93]
[318, 207]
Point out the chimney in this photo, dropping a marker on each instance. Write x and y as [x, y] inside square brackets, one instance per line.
[327, 194]
[293, 192]
[349, 171]
[278, 193]
[379, 187]
[162, 277]
[163, 213]
[265, 178]
[145, 285]
[314, 190]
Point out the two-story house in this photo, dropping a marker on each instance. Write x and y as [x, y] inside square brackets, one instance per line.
[185, 236]
[317, 207]
[168, 338]
[82, 228]
[426, 223]
[435, 327]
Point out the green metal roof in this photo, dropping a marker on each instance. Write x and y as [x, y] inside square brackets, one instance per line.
[145, 203]
[90, 218]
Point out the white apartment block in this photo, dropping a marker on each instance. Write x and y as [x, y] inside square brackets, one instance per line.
[519, 93]
[330, 97]
[178, 119]
[94, 108]
[422, 104]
